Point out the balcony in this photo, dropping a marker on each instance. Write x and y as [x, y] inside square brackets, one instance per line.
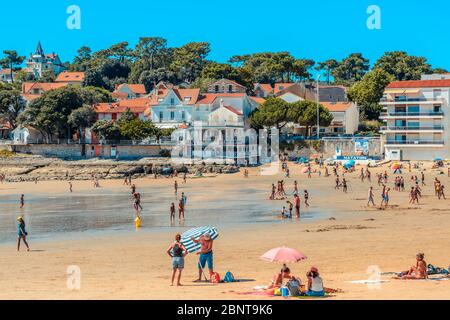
[408, 100]
[411, 129]
[412, 143]
[422, 114]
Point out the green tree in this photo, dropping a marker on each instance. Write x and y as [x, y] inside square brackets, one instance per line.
[272, 113]
[11, 61]
[82, 118]
[351, 69]
[49, 113]
[403, 66]
[11, 104]
[47, 76]
[368, 92]
[304, 113]
[215, 70]
[327, 66]
[302, 68]
[107, 130]
[133, 128]
[82, 60]
[188, 61]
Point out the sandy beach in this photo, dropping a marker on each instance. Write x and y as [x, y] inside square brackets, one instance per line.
[343, 241]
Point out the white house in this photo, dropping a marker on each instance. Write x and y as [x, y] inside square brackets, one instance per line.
[345, 117]
[5, 75]
[39, 62]
[171, 108]
[26, 135]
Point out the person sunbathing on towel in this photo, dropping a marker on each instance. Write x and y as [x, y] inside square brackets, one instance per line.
[416, 272]
[277, 281]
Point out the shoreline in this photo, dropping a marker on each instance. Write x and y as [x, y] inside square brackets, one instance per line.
[134, 265]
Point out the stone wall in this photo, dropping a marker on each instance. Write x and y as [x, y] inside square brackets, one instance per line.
[74, 151]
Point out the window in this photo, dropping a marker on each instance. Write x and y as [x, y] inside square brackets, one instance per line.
[437, 93]
[216, 88]
[172, 115]
[161, 116]
[230, 88]
[183, 115]
[437, 108]
[172, 101]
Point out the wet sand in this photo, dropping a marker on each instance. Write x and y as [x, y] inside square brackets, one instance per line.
[130, 264]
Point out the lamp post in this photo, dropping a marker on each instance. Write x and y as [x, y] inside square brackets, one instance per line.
[318, 104]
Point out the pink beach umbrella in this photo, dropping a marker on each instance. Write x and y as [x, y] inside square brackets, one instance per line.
[305, 170]
[284, 255]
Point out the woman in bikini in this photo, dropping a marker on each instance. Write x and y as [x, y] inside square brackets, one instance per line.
[416, 272]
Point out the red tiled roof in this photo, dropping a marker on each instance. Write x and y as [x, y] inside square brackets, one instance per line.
[139, 105]
[119, 95]
[258, 100]
[70, 77]
[265, 86]
[336, 106]
[135, 88]
[5, 71]
[281, 86]
[209, 98]
[419, 84]
[183, 94]
[232, 110]
[44, 86]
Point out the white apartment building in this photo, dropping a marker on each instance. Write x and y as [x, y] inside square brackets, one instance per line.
[416, 115]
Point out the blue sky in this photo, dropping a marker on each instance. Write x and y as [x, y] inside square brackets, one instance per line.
[310, 29]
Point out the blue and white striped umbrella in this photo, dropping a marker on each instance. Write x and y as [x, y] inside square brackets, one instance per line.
[196, 233]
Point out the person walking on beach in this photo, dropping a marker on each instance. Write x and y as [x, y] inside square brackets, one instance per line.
[370, 199]
[205, 255]
[361, 175]
[291, 207]
[181, 209]
[133, 188]
[295, 187]
[344, 185]
[297, 205]
[177, 251]
[413, 198]
[125, 182]
[175, 187]
[70, 186]
[184, 177]
[272, 194]
[184, 198]
[137, 201]
[338, 183]
[306, 197]
[172, 213]
[385, 200]
[423, 179]
[22, 233]
[22, 201]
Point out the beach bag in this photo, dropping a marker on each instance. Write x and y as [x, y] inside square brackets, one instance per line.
[293, 287]
[229, 277]
[215, 278]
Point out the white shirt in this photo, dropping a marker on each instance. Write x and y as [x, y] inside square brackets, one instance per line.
[316, 284]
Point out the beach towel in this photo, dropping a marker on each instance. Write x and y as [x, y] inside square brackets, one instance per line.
[368, 281]
[436, 270]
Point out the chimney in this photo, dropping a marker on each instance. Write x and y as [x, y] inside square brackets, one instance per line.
[221, 103]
